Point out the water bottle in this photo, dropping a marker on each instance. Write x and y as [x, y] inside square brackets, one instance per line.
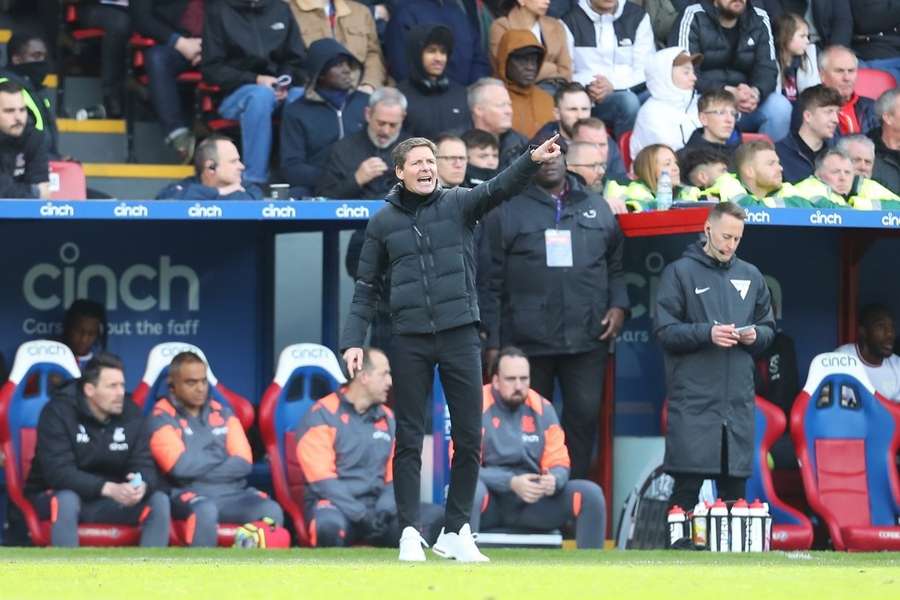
[664, 191]
[718, 527]
[676, 519]
[740, 522]
[700, 525]
[758, 515]
[97, 111]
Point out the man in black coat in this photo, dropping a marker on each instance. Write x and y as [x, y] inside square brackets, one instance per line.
[876, 34]
[424, 239]
[24, 171]
[92, 461]
[437, 104]
[887, 141]
[557, 291]
[831, 22]
[713, 315]
[738, 50]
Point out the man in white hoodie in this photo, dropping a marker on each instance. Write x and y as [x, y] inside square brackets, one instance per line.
[670, 115]
[610, 42]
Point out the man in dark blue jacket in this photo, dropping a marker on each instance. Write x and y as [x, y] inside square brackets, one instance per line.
[218, 175]
[818, 107]
[92, 461]
[839, 68]
[252, 49]
[331, 108]
[468, 62]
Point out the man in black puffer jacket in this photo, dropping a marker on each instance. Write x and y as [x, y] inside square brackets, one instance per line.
[876, 34]
[738, 50]
[423, 239]
[436, 103]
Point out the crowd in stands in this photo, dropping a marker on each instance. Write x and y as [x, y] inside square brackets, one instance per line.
[337, 73]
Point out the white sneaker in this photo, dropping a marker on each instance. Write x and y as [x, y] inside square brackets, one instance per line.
[459, 546]
[411, 542]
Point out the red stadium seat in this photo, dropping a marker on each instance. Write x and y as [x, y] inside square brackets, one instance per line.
[871, 83]
[847, 436]
[207, 95]
[791, 529]
[67, 181]
[750, 137]
[153, 384]
[305, 373]
[19, 413]
[625, 150]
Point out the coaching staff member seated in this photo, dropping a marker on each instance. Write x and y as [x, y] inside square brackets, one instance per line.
[423, 239]
[713, 314]
[91, 444]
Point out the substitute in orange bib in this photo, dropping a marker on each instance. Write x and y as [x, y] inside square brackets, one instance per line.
[524, 478]
[201, 448]
[346, 450]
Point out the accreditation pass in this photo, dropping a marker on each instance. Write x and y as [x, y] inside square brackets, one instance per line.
[559, 247]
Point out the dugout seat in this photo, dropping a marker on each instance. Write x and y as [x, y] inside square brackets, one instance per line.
[67, 180]
[20, 410]
[305, 373]
[847, 436]
[153, 384]
[791, 530]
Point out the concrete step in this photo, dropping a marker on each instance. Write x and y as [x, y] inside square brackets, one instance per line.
[104, 140]
[128, 181]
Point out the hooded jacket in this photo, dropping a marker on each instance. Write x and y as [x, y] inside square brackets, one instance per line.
[246, 38]
[429, 255]
[435, 106]
[753, 60]
[670, 115]
[546, 310]
[23, 163]
[532, 106]
[552, 35]
[710, 388]
[354, 28]
[468, 62]
[312, 124]
[77, 452]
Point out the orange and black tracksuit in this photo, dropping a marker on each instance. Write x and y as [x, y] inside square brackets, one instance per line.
[347, 463]
[527, 438]
[206, 460]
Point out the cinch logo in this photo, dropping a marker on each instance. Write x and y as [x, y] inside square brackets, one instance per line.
[844, 360]
[173, 349]
[47, 349]
[890, 220]
[278, 212]
[889, 535]
[758, 216]
[43, 289]
[205, 212]
[57, 210]
[124, 210]
[309, 353]
[352, 212]
[531, 438]
[820, 218]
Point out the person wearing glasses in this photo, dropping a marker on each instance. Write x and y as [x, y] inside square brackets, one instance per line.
[451, 160]
[669, 116]
[587, 163]
[718, 116]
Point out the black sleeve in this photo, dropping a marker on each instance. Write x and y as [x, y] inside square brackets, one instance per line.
[147, 24]
[841, 23]
[368, 291]
[491, 282]
[338, 177]
[510, 181]
[10, 188]
[765, 69]
[295, 167]
[56, 456]
[618, 291]
[37, 167]
[292, 55]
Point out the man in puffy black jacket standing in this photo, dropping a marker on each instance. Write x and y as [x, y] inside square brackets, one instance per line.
[92, 461]
[713, 315]
[423, 240]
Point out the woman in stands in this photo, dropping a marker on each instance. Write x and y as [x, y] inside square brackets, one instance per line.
[649, 165]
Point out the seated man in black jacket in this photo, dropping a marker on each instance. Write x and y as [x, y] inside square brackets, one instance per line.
[735, 38]
[358, 165]
[437, 104]
[24, 172]
[719, 116]
[331, 109]
[218, 175]
[28, 66]
[252, 49]
[92, 461]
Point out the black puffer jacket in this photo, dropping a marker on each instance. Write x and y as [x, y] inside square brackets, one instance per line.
[545, 310]
[831, 18]
[752, 62]
[429, 256]
[246, 38]
[876, 28]
[436, 106]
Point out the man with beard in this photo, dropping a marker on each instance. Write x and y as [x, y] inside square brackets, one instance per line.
[874, 347]
[358, 164]
[738, 50]
[28, 66]
[423, 238]
[556, 290]
[24, 172]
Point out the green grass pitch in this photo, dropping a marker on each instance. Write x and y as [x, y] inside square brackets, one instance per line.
[176, 573]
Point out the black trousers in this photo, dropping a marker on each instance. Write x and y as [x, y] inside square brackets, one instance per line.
[114, 47]
[687, 485]
[457, 355]
[581, 381]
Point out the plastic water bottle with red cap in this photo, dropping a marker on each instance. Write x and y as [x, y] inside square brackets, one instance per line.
[676, 520]
[759, 514]
[740, 523]
[718, 527]
[700, 525]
